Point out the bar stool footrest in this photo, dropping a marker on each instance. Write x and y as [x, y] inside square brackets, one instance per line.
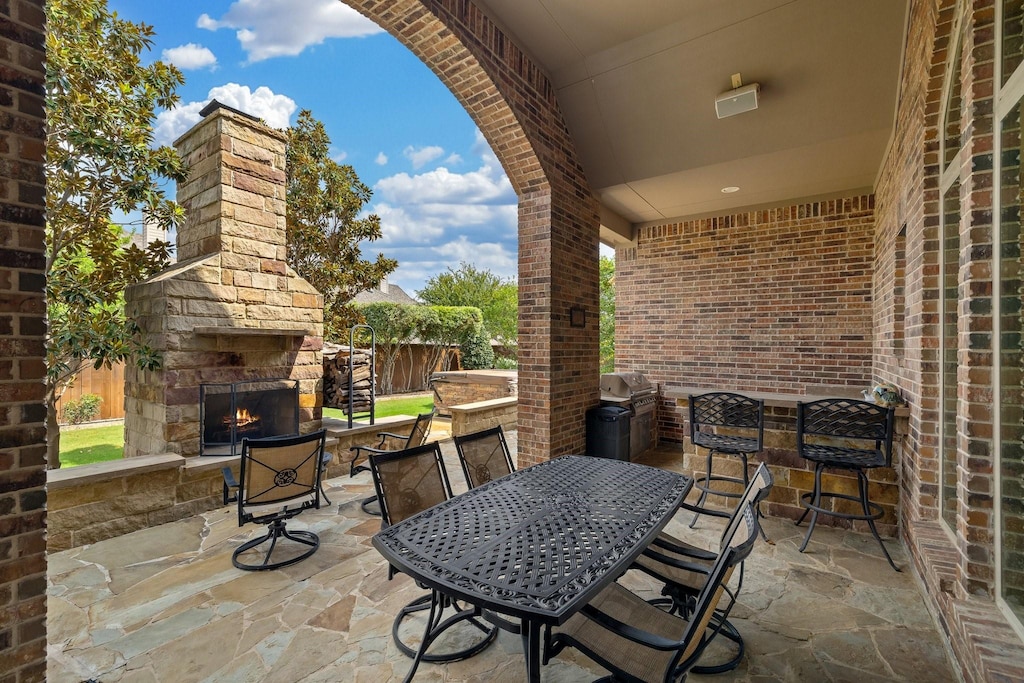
[875, 508]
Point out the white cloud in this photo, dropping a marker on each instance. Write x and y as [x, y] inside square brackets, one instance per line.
[382, 159]
[339, 157]
[190, 56]
[276, 28]
[491, 256]
[453, 159]
[275, 110]
[420, 156]
[486, 185]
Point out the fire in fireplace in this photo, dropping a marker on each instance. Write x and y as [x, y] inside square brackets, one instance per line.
[256, 409]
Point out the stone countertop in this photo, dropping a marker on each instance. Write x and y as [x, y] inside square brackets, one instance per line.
[778, 400]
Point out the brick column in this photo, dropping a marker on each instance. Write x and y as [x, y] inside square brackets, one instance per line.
[514, 104]
[22, 326]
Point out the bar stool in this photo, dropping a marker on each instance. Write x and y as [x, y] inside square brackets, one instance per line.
[727, 423]
[845, 434]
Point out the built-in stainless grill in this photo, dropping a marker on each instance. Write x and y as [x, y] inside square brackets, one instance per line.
[635, 392]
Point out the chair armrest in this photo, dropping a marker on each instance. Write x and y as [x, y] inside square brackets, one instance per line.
[627, 631]
[368, 449]
[229, 484]
[384, 435]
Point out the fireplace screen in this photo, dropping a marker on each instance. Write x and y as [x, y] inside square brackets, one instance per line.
[258, 409]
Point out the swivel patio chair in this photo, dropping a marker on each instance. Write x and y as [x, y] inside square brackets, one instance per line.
[727, 423]
[408, 482]
[844, 434]
[484, 456]
[280, 477]
[389, 442]
[638, 641]
[683, 569]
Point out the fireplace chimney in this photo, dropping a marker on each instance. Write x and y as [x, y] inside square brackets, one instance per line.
[231, 310]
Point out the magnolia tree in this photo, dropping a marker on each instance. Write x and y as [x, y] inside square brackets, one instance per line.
[100, 161]
[325, 227]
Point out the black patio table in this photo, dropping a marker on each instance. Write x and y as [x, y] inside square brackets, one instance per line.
[538, 544]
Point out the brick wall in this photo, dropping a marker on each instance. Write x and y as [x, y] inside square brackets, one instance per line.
[957, 568]
[775, 300]
[514, 105]
[22, 325]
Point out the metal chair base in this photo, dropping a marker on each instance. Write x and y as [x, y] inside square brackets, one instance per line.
[275, 530]
[436, 603]
[367, 502]
[872, 511]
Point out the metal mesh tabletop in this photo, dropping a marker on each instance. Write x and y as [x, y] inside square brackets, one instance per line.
[537, 543]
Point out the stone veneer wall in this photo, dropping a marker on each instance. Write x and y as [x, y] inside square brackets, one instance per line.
[22, 328]
[514, 105]
[479, 415]
[232, 310]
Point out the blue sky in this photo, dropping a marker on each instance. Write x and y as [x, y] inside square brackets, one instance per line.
[441, 194]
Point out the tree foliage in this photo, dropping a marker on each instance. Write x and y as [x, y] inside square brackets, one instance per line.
[496, 297]
[394, 326]
[325, 199]
[607, 308]
[100, 102]
[443, 328]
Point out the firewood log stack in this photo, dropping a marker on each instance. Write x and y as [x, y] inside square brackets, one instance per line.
[337, 379]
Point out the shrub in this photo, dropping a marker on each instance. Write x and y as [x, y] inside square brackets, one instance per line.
[506, 363]
[477, 353]
[84, 409]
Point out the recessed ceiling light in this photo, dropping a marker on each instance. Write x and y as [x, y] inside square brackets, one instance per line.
[730, 190]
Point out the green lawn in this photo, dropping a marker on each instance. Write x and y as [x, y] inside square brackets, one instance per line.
[91, 444]
[401, 405]
[99, 444]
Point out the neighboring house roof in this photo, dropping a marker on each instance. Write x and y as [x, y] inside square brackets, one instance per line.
[386, 293]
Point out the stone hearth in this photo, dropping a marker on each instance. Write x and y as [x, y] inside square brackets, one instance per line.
[230, 310]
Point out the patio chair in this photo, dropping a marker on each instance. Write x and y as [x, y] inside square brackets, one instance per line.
[727, 423]
[280, 477]
[389, 442]
[683, 568]
[638, 641]
[484, 456]
[408, 482]
[845, 434]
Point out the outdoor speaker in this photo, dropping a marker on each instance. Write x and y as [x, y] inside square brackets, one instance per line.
[737, 101]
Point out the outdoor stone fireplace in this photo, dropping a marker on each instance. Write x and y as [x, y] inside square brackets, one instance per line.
[230, 311]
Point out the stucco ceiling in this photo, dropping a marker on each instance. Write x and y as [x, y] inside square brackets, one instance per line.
[637, 83]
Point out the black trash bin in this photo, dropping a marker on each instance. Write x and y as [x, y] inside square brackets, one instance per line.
[608, 432]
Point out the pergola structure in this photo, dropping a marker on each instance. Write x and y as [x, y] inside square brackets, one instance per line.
[875, 236]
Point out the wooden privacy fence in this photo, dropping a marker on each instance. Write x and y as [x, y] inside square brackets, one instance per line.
[107, 383]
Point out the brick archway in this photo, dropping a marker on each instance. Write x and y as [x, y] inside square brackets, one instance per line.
[514, 105]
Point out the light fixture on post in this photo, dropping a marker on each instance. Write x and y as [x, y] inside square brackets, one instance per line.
[740, 99]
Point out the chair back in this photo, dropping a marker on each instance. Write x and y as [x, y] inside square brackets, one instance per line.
[279, 471]
[758, 489]
[725, 409]
[484, 456]
[735, 549]
[409, 481]
[846, 419]
[420, 429]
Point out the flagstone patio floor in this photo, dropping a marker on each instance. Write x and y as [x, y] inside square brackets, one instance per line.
[166, 604]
